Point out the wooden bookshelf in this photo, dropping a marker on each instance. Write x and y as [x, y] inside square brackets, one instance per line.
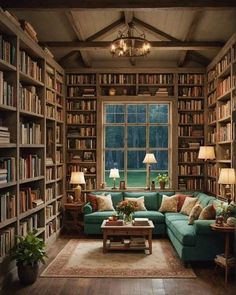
[221, 77]
[24, 122]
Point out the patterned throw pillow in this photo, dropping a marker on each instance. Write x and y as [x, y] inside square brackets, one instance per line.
[139, 201]
[188, 205]
[209, 212]
[105, 203]
[194, 214]
[92, 199]
[169, 204]
[181, 198]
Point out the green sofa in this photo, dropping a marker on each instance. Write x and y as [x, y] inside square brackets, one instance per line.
[192, 242]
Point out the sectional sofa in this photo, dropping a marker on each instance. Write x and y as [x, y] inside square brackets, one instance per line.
[192, 242]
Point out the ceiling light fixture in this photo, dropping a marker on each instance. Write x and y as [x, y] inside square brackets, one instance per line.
[130, 43]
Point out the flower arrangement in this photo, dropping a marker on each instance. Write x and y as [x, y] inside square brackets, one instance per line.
[226, 210]
[162, 178]
[126, 207]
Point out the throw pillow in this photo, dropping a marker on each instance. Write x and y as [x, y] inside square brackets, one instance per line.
[194, 214]
[139, 201]
[169, 204]
[105, 203]
[188, 205]
[181, 198]
[209, 212]
[92, 199]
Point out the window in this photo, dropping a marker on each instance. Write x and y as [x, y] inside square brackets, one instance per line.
[130, 131]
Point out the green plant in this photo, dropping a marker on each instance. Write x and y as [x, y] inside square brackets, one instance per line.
[226, 210]
[30, 250]
[126, 207]
[162, 178]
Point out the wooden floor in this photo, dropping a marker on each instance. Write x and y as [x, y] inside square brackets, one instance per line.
[207, 282]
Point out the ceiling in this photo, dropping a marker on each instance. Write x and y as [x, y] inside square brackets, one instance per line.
[169, 24]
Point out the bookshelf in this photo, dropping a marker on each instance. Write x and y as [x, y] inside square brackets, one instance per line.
[81, 132]
[28, 182]
[221, 76]
[191, 96]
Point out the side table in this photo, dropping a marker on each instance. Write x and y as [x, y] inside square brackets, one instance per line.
[72, 216]
[224, 262]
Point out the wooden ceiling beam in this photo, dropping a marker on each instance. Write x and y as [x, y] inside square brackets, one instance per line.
[68, 55]
[157, 45]
[128, 16]
[197, 57]
[195, 21]
[104, 31]
[111, 4]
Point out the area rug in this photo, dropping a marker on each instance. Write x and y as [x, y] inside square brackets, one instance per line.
[85, 258]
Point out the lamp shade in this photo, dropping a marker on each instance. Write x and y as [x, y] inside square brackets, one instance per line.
[77, 178]
[206, 153]
[114, 173]
[227, 176]
[149, 159]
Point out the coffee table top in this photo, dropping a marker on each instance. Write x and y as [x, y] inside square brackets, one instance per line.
[127, 225]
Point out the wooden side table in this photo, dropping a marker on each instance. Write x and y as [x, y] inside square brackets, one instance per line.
[72, 215]
[224, 262]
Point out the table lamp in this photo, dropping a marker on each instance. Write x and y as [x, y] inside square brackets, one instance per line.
[149, 159]
[227, 178]
[206, 153]
[77, 178]
[114, 173]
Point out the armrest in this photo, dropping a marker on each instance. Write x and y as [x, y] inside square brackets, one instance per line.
[87, 208]
[203, 227]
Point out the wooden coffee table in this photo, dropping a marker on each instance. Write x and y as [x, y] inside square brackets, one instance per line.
[127, 231]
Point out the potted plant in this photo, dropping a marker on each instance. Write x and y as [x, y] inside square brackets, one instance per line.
[28, 253]
[162, 180]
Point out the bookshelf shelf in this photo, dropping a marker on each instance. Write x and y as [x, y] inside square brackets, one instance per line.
[5, 66]
[28, 79]
[7, 184]
[7, 108]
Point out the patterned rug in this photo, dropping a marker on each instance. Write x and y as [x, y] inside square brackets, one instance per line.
[85, 258]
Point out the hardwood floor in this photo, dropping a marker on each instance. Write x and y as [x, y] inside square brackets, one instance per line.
[208, 282]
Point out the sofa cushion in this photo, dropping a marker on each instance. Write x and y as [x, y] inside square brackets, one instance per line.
[169, 217]
[139, 203]
[92, 199]
[184, 232]
[97, 217]
[204, 199]
[194, 214]
[155, 216]
[189, 203]
[105, 203]
[209, 212]
[151, 199]
[169, 204]
[116, 197]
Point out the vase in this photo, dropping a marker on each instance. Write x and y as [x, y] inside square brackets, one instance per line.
[128, 218]
[162, 184]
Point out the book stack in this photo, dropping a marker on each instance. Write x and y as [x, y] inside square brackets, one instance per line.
[29, 198]
[194, 145]
[7, 50]
[88, 92]
[7, 169]
[7, 206]
[230, 261]
[6, 92]
[7, 240]
[140, 222]
[49, 161]
[162, 91]
[29, 30]
[137, 242]
[4, 135]
[118, 222]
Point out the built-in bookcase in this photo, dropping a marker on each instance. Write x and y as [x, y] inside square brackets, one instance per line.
[31, 133]
[221, 82]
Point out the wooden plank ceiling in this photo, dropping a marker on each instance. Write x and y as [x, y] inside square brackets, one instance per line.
[181, 33]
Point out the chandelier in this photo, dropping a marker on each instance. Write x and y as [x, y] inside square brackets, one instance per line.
[130, 43]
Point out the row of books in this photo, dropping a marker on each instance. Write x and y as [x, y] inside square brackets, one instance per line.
[81, 144]
[50, 228]
[29, 30]
[190, 105]
[225, 132]
[50, 111]
[211, 75]
[30, 67]
[156, 79]
[211, 186]
[190, 131]
[212, 170]
[191, 184]
[7, 206]
[81, 131]
[195, 91]
[188, 156]
[81, 79]
[223, 63]
[50, 96]
[30, 133]
[211, 99]
[4, 135]
[7, 92]
[211, 116]
[49, 174]
[81, 118]
[191, 79]
[212, 136]
[29, 100]
[58, 134]
[117, 79]
[49, 80]
[190, 170]
[191, 118]
[7, 240]
[7, 50]
[59, 87]
[59, 172]
[7, 169]
[30, 166]
[49, 211]
[29, 224]
[82, 105]
[224, 110]
[59, 114]
[30, 198]
[211, 86]
[224, 86]
[80, 92]
[59, 156]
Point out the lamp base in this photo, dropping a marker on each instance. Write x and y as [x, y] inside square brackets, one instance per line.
[78, 198]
